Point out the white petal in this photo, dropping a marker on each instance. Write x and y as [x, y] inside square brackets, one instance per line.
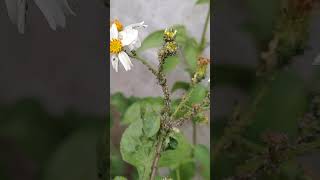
[128, 36]
[125, 60]
[114, 32]
[137, 25]
[137, 43]
[115, 61]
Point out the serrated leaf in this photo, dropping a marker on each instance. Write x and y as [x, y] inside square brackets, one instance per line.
[174, 158]
[170, 63]
[202, 154]
[202, 1]
[180, 85]
[137, 150]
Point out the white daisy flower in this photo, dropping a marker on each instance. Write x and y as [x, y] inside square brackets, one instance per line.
[121, 41]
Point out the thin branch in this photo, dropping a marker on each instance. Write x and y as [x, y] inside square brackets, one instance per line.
[203, 36]
[157, 156]
[144, 62]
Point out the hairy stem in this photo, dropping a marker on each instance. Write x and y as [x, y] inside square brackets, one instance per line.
[157, 156]
[185, 99]
[144, 62]
[165, 118]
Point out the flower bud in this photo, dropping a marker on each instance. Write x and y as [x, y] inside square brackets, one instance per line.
[171, 48]
[169, 35]
[202, 65]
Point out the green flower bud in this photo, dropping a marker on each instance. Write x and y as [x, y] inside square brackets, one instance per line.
[200, 74]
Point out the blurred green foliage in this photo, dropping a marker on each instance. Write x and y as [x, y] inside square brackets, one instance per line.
[54, 147]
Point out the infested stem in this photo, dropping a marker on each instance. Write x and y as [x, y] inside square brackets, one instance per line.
[157, 156]
[144, 62]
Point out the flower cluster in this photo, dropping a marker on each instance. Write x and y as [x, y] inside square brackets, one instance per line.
[122, 41]
[170, 46]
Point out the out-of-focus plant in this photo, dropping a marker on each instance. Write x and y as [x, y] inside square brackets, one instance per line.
[55, 12]
[263, 140]
[153, 139]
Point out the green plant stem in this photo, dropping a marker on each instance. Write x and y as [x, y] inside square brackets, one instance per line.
[185, 99]
[203, 36]
[194, 133]
[165, 118]
[157, 155]
[144, 62]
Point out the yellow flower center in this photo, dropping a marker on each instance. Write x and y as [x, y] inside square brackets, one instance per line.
[118, 24]
[115, 46]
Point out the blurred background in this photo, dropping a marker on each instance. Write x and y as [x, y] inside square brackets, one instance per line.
[239, 27]
[139, 82]
[53, 94]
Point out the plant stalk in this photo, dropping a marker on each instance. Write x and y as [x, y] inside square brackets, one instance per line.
[203, 36]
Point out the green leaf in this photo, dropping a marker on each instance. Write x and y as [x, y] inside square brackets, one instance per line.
[132, 114]
[152, 41]
[180, 85]
[170, 63]
[151, 120]
[180, 155]
[186, 171]
[120, 178]
[119, 101]
[202, 154]
[75, 158]
[134, 111]
[137, 150]
[202, 1]
[197, 94]
[155, 39]
[191, 53]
